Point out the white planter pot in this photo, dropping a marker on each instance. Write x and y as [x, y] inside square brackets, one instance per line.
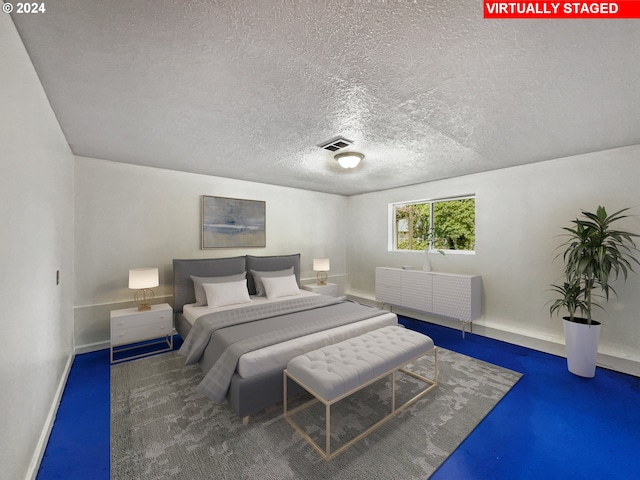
[581, 341]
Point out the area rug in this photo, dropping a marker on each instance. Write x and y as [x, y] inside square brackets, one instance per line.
[162, 428]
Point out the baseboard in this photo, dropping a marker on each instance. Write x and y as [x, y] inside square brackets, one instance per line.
[41, 446]
[551, 345]
[92, 347]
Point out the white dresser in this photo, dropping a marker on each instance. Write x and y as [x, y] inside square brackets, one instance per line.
[450, 295]
[131, 328]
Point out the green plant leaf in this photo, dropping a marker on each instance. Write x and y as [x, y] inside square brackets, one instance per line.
[595, 255]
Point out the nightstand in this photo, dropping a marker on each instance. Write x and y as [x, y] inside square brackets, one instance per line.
[132, 329]
[330, 289]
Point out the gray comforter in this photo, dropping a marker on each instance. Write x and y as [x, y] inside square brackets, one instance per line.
[232, 333]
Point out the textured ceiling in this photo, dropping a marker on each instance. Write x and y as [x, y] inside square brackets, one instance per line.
[427, 89]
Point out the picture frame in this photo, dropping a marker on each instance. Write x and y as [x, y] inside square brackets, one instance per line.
[233, 223]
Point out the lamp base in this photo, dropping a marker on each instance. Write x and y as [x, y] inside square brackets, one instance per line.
[321, 277]
[142, 298]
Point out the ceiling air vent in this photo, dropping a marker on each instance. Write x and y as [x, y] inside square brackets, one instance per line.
[335, 143]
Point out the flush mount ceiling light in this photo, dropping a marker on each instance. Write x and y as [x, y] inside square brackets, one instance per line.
[349, 159]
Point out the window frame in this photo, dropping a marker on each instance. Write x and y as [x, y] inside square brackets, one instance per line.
[393, 235]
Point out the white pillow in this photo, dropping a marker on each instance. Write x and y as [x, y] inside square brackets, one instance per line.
[227, 293]
[201, 297]
[276, 287]
[258, 276]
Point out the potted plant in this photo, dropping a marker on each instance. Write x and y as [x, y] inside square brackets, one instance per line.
[595, 255]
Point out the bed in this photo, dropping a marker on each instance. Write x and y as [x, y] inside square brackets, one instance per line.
[244, 340]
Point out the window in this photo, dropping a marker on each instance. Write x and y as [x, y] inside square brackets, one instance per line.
[446, 224]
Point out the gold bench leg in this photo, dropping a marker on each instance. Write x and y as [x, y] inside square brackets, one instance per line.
[328, 430]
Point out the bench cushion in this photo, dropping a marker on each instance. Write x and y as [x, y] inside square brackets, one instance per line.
[334, 370]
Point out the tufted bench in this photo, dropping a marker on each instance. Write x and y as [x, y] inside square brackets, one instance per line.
[336, 371]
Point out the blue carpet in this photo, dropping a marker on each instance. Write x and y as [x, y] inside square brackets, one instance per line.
[551, 425]
[78, 447]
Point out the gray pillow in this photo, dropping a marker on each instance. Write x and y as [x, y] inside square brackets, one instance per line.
[201, 297]
[257, 279]
[269, 264]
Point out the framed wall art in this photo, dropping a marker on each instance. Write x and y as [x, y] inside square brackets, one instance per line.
[233, 223]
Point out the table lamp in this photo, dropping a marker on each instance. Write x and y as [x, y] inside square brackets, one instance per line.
[143, 280]
[321, 265]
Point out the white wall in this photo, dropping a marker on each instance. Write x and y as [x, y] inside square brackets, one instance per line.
[130, 216]
[520, 212]
[36, 240]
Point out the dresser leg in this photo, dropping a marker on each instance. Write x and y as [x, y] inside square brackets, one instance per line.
[464, 326]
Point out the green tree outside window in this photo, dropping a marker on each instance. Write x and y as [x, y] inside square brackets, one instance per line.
[439, 225]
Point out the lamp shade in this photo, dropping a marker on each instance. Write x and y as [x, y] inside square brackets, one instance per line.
[320, 264]
[143, 278]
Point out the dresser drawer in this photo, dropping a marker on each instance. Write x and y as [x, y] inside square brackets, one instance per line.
[137, 319]
[123, 336]
[330, 289]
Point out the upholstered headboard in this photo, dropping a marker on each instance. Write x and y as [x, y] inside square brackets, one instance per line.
[269, 264]
[183, 291]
